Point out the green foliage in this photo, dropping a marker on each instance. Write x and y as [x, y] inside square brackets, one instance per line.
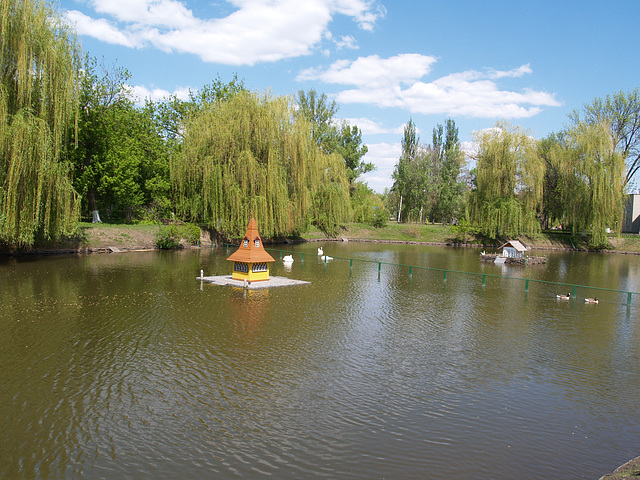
[38, 71]
[345, 140]
[621, 113]
[350, 147]
[367, 206]
[191, 233]
[551, 151]
[427, 176]
[463, 229]
[414, 178]
[410, 141]
[330, 207]
[121, 162]
[173, 114]
[584, 182]
[380, 217]
[509, 182]
[252, 156]
[318, 113]
[447, 164]
[592, 176]
[327, 225]
[168, 238]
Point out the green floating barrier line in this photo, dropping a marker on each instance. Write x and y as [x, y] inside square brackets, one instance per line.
[484, 275]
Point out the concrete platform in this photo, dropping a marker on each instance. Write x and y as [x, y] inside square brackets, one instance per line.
[272, 282]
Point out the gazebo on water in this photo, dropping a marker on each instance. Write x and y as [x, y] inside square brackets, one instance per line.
[251, 261]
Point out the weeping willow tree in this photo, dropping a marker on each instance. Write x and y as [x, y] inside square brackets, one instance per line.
[591, 181]
[38, 58]
[250, 157]
[509, 179]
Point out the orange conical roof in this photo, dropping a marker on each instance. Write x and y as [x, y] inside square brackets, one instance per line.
[251, 253]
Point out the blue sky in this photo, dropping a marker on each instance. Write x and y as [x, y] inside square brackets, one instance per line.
[528, 63]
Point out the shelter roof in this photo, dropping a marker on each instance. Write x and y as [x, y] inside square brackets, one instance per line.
[516, 245]
[251, 253]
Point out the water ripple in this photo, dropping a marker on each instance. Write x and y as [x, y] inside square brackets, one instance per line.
[364, 373]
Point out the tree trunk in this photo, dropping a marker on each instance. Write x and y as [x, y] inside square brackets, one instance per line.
[93, 206]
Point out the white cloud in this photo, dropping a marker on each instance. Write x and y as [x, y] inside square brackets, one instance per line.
[256, 31]
[515, 73]
[166, 13]
[347, 41]
[367, 126]
[101, 29]
[372, 71]
[384, 156]
[139, 94]
[397, 82]
[371, 127]
[365, 12]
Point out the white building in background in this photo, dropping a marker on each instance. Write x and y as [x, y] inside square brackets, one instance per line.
[631, 215]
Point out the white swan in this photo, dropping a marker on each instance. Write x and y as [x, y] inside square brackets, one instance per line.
[287, 259]
[322, 255]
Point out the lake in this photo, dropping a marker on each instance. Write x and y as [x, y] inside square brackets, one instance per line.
[125, 366]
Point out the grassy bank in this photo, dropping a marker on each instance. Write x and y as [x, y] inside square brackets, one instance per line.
[441, 235]
[105, 237]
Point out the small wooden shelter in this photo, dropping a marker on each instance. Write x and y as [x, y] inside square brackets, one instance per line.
[251, 261]
[513, 249]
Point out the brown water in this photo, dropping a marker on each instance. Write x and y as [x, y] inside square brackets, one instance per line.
[125, 366]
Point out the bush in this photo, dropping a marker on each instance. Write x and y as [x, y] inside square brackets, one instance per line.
[380, 217]
[191, 233]
[168, 238]
[464, 229]
[327, 225]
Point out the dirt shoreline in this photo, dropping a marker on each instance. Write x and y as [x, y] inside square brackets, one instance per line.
[85, 250]
[105, 238]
